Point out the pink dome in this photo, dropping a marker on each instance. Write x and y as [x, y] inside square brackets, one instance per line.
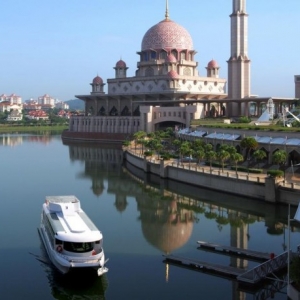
[121, 64]
[171, 58]
[97, 80]
[167, 35]
[212, 64]
[173, 74]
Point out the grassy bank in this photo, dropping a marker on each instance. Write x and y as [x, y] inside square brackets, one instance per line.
[32, 128]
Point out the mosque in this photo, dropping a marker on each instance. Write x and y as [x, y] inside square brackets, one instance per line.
[167, 90]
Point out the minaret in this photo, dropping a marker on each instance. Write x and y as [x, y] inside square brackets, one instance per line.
[167, 10]
[238, 63]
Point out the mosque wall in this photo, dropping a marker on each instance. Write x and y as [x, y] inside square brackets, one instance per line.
[103, 124]
[191, 84]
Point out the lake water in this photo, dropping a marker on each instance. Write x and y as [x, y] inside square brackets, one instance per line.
[142, 218]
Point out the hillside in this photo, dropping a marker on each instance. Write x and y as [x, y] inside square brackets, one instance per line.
[75, 104]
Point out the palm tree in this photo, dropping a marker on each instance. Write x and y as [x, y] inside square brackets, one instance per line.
[279, 157]
[259, 155]
[138, 136]
[210, 156]
[199, 154]
[222, 156]
[236, 158]
[250, 143]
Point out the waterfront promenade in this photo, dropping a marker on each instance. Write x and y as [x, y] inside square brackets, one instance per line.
[259, 186]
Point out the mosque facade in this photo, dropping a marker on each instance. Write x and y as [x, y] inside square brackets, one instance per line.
[167, 89]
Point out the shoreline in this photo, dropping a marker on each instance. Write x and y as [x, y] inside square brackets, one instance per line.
[260, 187]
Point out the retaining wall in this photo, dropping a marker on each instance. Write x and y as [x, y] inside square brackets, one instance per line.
[269, 190]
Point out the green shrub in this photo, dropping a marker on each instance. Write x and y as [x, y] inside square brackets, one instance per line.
[245, 169]
[166, 156]
[244, 120]
[148, 153]
[275, 173]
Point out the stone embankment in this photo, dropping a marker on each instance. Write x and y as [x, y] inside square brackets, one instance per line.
[258, 186]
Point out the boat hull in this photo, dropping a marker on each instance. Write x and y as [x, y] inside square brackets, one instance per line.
[65, 263]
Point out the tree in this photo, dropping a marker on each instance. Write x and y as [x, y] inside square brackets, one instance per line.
[259, 155]
[210, 156]
[279, 158]
[199, 154]
[222, 156]
[236, 158]
[138, 136]
[250, 143]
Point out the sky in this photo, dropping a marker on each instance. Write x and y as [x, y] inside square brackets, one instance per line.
[57, 47]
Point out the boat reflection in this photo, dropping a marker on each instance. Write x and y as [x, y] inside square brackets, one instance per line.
[80, 284]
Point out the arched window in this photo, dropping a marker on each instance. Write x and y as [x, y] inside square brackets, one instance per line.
[101, 111]
[125, 111]
[163, 55]
[145, 56]
[113, 111]
[149, 72]
[175, 53]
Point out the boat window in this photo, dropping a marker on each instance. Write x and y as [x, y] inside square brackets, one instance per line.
[58, 242]
[97, 242]
[78, 247]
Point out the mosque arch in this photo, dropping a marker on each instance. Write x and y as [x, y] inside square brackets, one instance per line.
[136, 112]
[125, 111]
[166, 124]
[175, 53]
[153, 54]
[293, 157]
[101, 111]
[113, 111]
[91, 111]
[163, 54]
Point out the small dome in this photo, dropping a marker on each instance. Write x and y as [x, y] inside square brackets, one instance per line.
[171, 58]
[97, 80]
[121, 64]
[212, 64]
[173, 74]
[167, 35]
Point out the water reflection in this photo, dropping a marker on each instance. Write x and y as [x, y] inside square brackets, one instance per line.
[13, 140]
[73, 286]
[169, 211]
[165, 225]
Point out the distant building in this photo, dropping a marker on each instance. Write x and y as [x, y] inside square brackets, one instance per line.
[297, 86]
[7, 106]
[46, 100]
[15, 115]
[13, 99]
[61, 105]
[37, 115]
[31, 105]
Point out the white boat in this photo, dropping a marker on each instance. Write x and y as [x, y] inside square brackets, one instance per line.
[71, 239]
